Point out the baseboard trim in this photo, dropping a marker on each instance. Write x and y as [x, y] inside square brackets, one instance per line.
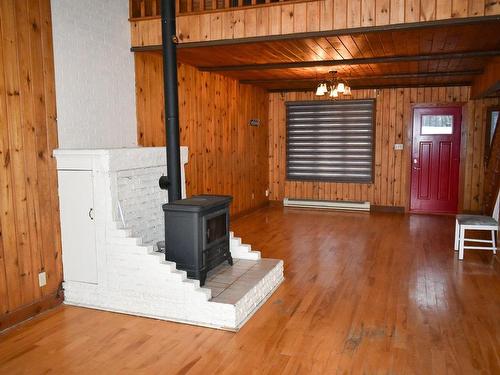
[29, 311]
[392, 209]
[275, 203]
[373, 208]
[249, 211]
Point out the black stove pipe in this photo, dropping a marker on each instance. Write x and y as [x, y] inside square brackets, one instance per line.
[172, 182]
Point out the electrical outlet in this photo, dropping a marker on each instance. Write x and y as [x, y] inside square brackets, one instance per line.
[42, 279]
[398, 146]
[267, 192]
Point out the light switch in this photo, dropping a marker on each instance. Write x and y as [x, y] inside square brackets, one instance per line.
[398, 146]
[42, 279]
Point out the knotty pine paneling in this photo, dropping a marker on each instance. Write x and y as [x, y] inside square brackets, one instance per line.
[393, 125]
[314, 15]
[492, 175]
[29, 212]
[226, 155]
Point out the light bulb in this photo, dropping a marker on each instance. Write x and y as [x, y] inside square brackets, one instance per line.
[347, 90]
[341, 87]
[319, 90]
[334, 93]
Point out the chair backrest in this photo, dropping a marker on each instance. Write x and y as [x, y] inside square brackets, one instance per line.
[497, 207]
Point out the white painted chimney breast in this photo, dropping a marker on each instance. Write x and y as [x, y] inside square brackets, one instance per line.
[95, 82]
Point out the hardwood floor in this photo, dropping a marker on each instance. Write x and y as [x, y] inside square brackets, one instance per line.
[364, 294]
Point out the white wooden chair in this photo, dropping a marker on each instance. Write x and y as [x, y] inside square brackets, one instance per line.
[476, 222]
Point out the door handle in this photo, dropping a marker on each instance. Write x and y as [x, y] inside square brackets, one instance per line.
[91, 213]
[415, 164]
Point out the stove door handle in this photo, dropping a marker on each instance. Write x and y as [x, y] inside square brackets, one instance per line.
[91, 213]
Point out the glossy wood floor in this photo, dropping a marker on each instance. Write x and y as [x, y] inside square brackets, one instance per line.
[364, 294]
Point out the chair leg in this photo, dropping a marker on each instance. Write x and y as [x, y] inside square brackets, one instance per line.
[457, 235]
[493, 241]
[461, 244]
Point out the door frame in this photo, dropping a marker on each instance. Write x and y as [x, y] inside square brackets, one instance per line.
[409, 149]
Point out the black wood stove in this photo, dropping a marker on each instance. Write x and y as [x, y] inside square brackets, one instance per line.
[197, 234]
[196, 229]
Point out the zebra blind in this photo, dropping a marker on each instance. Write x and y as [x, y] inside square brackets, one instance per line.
[330, 140]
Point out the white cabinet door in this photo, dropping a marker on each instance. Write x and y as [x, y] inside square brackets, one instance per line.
[77, 226]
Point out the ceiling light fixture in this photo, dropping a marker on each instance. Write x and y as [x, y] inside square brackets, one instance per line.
[333, 86]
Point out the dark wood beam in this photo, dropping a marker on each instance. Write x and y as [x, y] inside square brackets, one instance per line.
[348, 31]
[489, 82]
[376, 87]
[356, 61]
[362, 78]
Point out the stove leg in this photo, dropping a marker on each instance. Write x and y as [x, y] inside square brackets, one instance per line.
[203, 277]
[230, 259]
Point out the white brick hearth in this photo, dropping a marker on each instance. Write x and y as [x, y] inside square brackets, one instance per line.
[122, 272]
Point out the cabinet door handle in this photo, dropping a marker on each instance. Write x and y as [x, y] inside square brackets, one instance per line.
[91, 214]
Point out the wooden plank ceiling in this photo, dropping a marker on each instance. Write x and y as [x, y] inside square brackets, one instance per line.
[437, 55]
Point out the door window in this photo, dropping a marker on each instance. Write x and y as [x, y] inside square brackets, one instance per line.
[437, 124]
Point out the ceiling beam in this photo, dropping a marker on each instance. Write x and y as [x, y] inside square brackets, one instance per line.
[361, 78]
[489, 82]
[376, 87]
[355, 61]
[347, 31]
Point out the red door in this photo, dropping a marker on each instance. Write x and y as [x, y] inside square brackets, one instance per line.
[435, 159]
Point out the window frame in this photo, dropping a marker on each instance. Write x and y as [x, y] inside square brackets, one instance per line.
[369, 181]
[488, 135]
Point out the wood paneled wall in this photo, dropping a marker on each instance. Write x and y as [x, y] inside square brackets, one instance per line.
[282, 18]
[226, 155]
[393, 125]
[322, 15]
[492, 174]
[29, 213]
[487, 83]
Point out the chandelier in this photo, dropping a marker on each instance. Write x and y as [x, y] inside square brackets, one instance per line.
[333, 87]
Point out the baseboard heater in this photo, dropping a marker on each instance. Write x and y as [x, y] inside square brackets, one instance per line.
[332, 205]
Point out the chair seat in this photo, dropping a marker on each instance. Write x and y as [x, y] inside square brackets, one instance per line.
[476, 220]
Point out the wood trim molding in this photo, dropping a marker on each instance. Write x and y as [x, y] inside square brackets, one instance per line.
[147, 31]
[29, 311]
[355, 61]
[389, 209]
[338, 31]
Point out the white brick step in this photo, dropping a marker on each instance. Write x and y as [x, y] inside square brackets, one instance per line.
[133, 249]
[120, 233]
[125, 240]
[245, 247]
[194, 284]
[114, 225]
[242, 251]
[235, 241]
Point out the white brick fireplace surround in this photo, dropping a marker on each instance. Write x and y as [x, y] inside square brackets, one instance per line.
[111, 217]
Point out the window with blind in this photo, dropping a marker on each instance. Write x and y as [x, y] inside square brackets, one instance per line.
[330, 140]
